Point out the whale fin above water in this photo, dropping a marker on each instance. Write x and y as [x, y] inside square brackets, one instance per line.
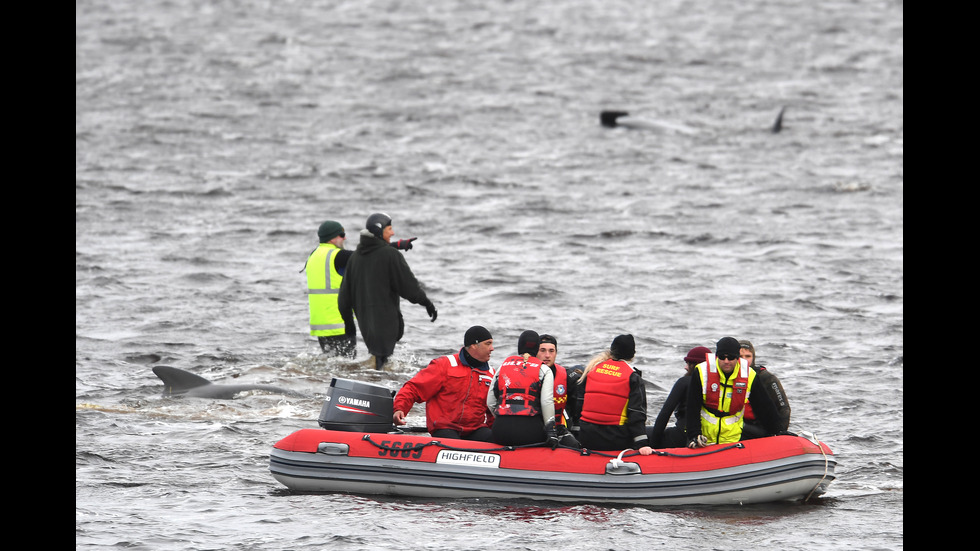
[178, 382]
[608, 118]
[778, 125]
[621, 119]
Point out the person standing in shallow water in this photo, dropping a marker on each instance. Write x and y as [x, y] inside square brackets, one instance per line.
[324, 273]
[377, 278]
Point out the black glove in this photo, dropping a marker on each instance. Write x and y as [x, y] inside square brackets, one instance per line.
[552, 435]
[698, 442]
[430, 309]
[404, 244]
[569, 441]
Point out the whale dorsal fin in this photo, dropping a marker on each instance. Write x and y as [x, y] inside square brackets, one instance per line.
[178, 380]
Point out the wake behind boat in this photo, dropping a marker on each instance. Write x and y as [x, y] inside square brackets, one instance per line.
[358, 451]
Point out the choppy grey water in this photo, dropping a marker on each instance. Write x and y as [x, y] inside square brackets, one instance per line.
[212, 137]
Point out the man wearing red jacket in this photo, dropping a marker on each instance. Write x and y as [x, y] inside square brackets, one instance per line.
[454, 389]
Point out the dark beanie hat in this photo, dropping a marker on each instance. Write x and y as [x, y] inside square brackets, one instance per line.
[528, 343]
[697, 354]
[376, 223]
[328, 230]
[476, 334]
[623, 347]
[550, 339]
[728, 346]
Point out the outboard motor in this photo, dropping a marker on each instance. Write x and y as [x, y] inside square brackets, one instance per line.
[357, 407]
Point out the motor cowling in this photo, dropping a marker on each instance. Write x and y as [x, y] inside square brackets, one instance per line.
[354, 406]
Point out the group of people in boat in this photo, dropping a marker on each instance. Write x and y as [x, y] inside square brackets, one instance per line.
[529, 399]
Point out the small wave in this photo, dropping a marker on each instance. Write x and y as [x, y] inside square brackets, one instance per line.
[849, 187]
[143, 358]
[205, 277]
[194, 260]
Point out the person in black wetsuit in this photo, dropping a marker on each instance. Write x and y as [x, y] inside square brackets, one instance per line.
[772, 386]
[662, 436]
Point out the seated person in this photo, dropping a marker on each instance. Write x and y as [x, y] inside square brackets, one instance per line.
[772, 386]
[522, 396]
[719, 390]
[548, 354]
[662, 436]
[454, 389]
[613, 401]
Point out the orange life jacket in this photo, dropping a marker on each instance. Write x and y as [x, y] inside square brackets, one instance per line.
[607, 392]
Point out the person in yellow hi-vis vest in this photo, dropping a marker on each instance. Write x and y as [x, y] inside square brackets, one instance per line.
[720, 388]
[324, 273]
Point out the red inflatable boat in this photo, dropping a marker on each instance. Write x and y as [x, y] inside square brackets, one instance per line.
[372, 459]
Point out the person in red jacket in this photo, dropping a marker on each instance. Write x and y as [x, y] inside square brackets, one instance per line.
[454, 389]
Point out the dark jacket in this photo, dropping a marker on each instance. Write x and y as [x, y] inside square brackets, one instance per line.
[676, 403]
[766, 380]
[377, 275]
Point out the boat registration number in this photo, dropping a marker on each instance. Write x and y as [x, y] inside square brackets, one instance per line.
[396, 449]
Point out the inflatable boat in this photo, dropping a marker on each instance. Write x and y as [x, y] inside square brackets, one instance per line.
[358, 451]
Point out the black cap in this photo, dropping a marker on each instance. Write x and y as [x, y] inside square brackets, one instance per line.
[550, 339]
[623, 347]
[528, 343]
[727, 346]
[476, 334]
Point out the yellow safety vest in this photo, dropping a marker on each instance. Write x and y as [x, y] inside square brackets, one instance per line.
[323, 286]
[723, 429]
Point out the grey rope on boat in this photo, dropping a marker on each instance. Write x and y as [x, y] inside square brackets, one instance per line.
[813, 438]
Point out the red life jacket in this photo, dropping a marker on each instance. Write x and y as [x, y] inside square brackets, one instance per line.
[714, 390]
[519, 382]
[561, 394]
[607, 393]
